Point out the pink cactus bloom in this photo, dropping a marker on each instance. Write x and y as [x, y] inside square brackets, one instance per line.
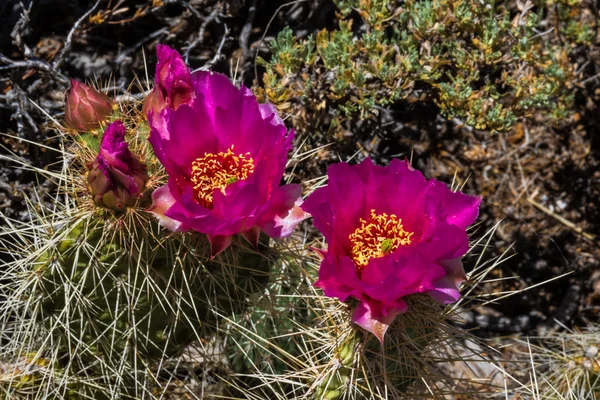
[225, 155]
[173, 84]
[116, 177]
[85, 107]
[390, 233]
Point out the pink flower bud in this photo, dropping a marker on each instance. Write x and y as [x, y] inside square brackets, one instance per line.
[86, 107]
[116, 177]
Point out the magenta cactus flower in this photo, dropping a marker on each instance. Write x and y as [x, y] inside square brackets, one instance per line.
[116, 177]
[85, 107]
[172, 82]
[390, 233]
[225, 155]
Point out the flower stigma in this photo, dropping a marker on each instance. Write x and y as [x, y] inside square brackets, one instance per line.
[382, 234]
[217, 171]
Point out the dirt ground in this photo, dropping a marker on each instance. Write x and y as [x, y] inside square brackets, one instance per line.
[541, 180]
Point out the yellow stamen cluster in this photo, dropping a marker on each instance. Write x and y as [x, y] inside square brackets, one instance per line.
[380, 235]
[216, 171]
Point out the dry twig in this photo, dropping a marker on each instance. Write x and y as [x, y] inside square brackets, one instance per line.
[218, 55]
[67, 46]
[562, 220]
[214, 15]
[246, 31]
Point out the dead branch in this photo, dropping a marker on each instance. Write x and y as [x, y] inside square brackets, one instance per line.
[67, 46]
[213, 16]
[246, 31]
[218, 55]
[17, 32]
[35, 64]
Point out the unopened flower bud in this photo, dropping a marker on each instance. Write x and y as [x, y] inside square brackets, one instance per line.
[86, 107]
[116, 177]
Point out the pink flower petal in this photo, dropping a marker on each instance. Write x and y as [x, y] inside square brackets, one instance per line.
[446, 242]
[446, 290]
[218, 243]
[454, 207]
[338, 278]
[269, 113]
[389, 278]
[161, 202]
[367, 316]
[173, 78]
[285, 213]
[337, 207]
[252, 236]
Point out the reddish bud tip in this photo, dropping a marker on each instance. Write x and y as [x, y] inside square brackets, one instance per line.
[86, 107]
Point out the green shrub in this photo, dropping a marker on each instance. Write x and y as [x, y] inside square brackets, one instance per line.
[486, 65]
